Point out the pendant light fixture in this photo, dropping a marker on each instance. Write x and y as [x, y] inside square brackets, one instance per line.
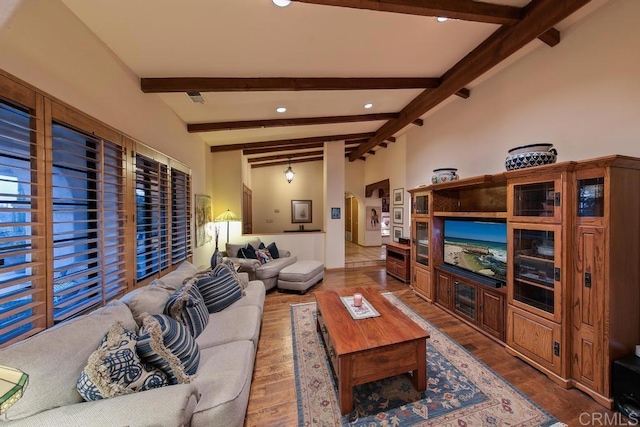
[289, 173]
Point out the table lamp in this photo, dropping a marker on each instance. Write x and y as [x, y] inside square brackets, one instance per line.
[12, 385]
[227, 217]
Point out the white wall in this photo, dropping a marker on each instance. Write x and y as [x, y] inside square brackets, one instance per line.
[44, 44]
[334, 198]
[582, 96]
[272, 196]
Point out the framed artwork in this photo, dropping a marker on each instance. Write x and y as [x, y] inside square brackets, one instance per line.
[335, 213]
[385, 204]
[398, 215]
[204, 215]
[373, 217]
[301, 211]
[397, 233]
[398, 196]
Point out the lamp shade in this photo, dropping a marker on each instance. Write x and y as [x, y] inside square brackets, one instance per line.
[227, 216]
[12, 384]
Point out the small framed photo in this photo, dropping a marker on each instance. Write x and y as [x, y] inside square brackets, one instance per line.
[335, 213]
[398, 215]
[301, 211]
[397, 233]
[398, 196]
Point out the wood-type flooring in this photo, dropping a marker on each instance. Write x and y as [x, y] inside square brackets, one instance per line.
[272, 401]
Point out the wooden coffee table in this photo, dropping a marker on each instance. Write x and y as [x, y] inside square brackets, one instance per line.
[370, 349]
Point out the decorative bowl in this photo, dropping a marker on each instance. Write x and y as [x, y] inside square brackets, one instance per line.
[538, 146]
[529, 159]
[444, 175]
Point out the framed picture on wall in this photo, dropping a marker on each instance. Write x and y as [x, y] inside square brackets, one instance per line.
[204, 215]
[398, 196]
[335, 213]
[372, 217]
[398, 215]
[397, 233]
[301, 211]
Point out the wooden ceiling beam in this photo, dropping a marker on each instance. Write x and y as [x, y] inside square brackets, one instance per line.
[464, 10]
[256, 124]
[540, 16]
[261, 84]
[391, 139]
[286, 156]
[286, 162]
[252, 151]
[290, 142]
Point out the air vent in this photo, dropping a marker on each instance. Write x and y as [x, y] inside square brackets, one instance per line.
[196, 97]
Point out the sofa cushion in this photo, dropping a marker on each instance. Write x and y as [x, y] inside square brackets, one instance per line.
[115, 369]
[232, 268]
[149, 299]
[219, 290]
[66, 348]
[249, 252]
[255, 293]
[225, 387]
[232, 324]
[271, 269]
[187, 306]
[273, 250]
[168, 345]
[177, 277]
[233, 248]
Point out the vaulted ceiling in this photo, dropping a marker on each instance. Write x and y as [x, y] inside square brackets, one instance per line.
[321, 59]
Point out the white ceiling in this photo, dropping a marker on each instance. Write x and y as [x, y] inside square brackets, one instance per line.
[253, 38]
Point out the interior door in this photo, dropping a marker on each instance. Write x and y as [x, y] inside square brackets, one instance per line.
[354, 220]
[347, 219]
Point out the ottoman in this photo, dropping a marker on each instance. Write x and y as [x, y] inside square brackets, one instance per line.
[301, 275]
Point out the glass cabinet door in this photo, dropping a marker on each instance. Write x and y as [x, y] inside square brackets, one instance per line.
[591, 197]
[539, 200]
[536, 277]
[421, 241]
[420, 204]
[465, 300]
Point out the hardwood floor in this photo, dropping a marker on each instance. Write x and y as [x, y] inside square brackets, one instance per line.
[273, 392]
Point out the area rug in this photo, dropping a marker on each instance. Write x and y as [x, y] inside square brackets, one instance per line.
[461, 390]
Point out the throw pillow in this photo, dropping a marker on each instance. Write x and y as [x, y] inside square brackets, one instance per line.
[263, 256]
[273, 250]
[168, 345]
[248, 252]
[220, 290]
[234, 272]
[115, 369]
[187, 306]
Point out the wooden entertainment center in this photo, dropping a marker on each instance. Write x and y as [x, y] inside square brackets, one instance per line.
[569, 304]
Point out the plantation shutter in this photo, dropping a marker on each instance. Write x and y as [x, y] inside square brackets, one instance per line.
[180, 216]
[152, 214]
[22, 292]
[88, 221]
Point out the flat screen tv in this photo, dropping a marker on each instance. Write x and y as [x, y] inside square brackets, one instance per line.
[477, 246]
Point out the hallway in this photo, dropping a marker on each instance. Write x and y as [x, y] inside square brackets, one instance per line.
[361, 256]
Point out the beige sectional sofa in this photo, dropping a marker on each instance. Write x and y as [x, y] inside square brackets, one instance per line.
[267, 273]
[217, 396]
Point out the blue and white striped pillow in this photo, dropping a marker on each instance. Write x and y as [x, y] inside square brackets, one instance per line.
[220, 290]
[187, 306]
[169, 346]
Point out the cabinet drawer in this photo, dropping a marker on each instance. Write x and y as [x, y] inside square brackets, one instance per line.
[536, 338]
[328, 343]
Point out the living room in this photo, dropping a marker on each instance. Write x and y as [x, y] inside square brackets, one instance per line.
[581, 95]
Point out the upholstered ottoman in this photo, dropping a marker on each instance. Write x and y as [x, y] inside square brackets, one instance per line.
[301, 275]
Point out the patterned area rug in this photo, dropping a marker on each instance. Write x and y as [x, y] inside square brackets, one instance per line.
[461, 390]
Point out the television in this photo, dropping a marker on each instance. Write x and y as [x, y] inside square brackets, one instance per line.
[477, 246]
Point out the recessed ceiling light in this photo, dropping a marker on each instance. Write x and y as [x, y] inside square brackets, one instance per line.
[442, 19]
[281, 109]
[281, 3]
[369, 105]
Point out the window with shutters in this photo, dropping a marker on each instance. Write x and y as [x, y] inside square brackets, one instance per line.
[22, 293]
[152, 214]
[71, 236]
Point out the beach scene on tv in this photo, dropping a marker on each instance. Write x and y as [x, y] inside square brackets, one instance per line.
[477, 246]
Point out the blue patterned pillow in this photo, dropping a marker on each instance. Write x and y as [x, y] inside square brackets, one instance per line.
[115, 369]
[220, 290]
[169, 346]
[187, 306]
